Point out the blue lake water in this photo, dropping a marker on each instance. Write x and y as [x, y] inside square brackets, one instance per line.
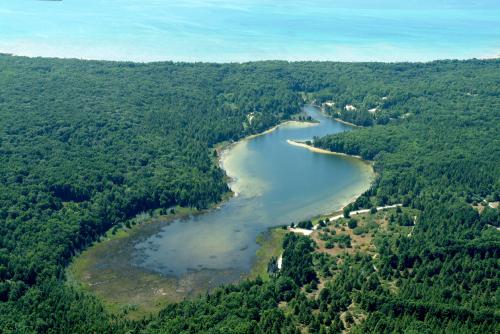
[276, 183]
[222, 30]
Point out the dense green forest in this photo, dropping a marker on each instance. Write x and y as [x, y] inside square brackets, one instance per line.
[441, 159]
[85, 145]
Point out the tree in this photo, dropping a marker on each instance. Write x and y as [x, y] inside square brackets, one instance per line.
[352, 223]
[346, 212]
[272, 267]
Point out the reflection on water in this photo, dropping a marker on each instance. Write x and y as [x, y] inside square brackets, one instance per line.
[276, 183]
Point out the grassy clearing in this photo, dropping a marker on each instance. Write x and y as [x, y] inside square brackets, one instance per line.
[271, 244]
[360, 237]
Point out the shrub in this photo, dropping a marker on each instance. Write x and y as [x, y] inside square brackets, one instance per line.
[359, 230]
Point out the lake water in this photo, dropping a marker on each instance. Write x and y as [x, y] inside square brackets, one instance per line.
[276, 183]
[243, 30]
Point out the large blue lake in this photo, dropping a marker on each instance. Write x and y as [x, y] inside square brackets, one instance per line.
[242, 30]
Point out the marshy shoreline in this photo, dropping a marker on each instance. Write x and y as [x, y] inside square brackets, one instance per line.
[107, 268]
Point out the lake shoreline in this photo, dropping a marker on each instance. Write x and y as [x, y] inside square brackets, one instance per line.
[347, 123]
[116, 285]
[340, 120]
[270, 243]
[314, 149]
[325, 151]
[223, 148]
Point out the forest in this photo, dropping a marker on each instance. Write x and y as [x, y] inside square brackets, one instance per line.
[86, 145]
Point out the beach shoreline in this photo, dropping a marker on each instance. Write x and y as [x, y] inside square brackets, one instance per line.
[224, 148]
[227, 146]
[367, 163]
[324, 151]
[322, 109]
[347, 123]
[86, 271]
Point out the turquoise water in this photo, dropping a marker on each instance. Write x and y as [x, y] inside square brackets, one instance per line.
[276, 183]
[222, 30]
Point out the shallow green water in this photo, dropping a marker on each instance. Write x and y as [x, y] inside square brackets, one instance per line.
[276, 183]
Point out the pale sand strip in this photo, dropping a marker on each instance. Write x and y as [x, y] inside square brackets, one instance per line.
[223, 152]
[356, 212]
[347, 123]
[297, 124]
[366, 163]
[307, 232]
[279, 262]
[268, 131]
[321, 150]
[302, 231]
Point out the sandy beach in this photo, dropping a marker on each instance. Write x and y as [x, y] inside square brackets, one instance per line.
[347, 123]
[367, 163]
[297, 124]
[321, 150]
[223, 151]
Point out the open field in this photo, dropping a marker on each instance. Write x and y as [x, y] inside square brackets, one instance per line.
[337, 237]
[271, 245]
